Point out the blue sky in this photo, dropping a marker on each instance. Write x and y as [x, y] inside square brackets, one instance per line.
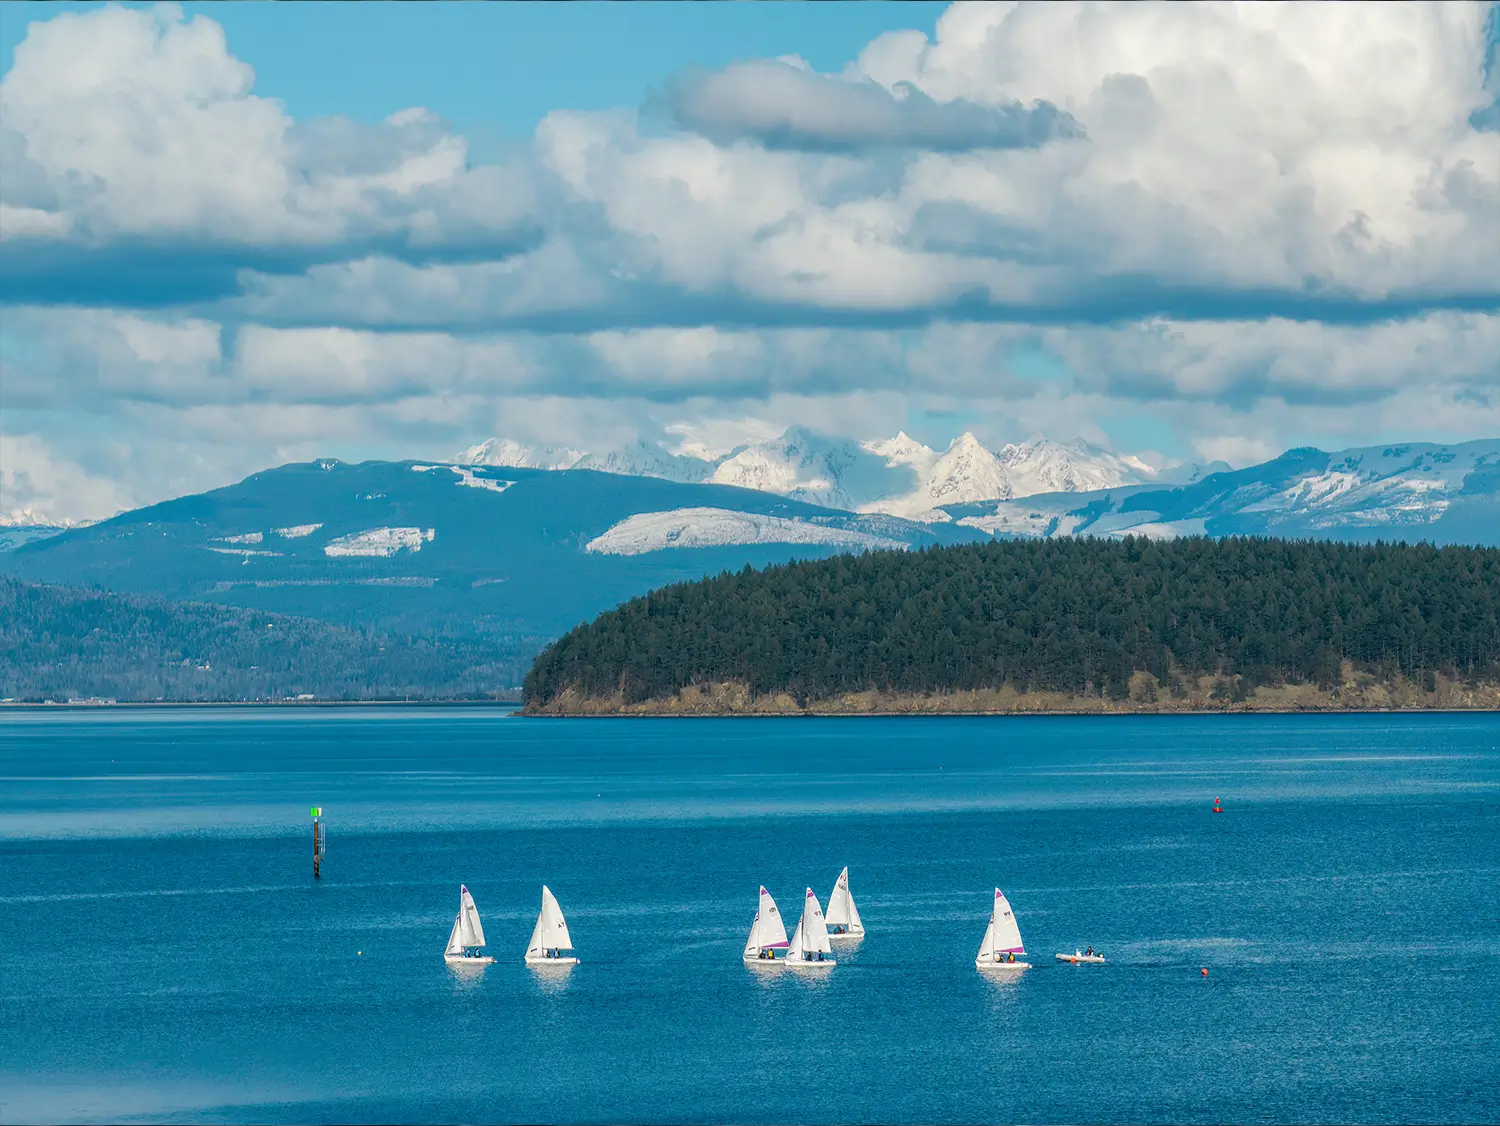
[1190, 231]
[499, 68]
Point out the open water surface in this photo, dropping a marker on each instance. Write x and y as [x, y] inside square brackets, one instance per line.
[165, 954]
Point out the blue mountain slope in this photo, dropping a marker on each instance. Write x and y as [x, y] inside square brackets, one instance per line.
[503, 553]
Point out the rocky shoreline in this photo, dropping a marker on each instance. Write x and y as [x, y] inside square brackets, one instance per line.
[1208, 696]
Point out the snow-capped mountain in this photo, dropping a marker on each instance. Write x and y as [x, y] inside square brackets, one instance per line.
[514, 553]
[966, 471]
[898, 476]
[1040, 465]
[642, 459]
[511, 454]
[34, 518]
[23, 525]
[1445, 493]
[1045, 487]
[805, 466]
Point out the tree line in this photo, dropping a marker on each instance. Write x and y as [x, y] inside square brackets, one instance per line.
[1078, 616]
[58, 643]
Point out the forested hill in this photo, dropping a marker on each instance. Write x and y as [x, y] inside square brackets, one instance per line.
[57, 643]
[1046, 625]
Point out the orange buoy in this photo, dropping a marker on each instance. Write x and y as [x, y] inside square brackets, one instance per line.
[1204, 971]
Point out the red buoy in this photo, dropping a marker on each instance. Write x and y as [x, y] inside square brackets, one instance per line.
[1217, 807]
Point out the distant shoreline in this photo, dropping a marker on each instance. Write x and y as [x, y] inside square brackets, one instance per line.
[130, 705]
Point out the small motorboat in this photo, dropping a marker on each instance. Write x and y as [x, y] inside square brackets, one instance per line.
[1080, 958]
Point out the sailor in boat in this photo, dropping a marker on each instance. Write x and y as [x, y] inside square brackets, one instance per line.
[1089, 953]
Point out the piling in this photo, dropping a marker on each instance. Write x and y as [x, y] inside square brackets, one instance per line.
[317, 816]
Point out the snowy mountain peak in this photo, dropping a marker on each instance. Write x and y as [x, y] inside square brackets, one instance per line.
[1041, 465]
[511, 454]
[643, 459]
[801, 464]
[902, 450]
[899, 476]
[967, 472]
[35, 518]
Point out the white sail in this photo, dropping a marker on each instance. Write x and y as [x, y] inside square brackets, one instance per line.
[551, 932]
[468, 913]
[795, 948]
[841, 909]
[987, 943]
[811, 936]
[534, 948]
[455, 938]
[767, 931]
[1002, 937]
[1007, 933]
[816, 928]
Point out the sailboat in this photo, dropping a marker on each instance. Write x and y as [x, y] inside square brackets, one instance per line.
[767, 932]
[550, 944]
[809, 947]
[1002, 939]
[467, 937]
[843, 916]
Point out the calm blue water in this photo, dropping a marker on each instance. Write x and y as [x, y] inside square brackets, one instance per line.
[166, 955]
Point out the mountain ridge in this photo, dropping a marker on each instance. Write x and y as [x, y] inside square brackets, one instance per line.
[898, 476]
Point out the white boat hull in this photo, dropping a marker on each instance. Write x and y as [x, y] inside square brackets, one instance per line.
[466, 960]
[552, 961]
[986, 964]
[1082, 959]
[833, 934]
[825, 964]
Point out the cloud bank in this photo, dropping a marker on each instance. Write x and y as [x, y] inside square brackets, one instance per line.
[1250, 226]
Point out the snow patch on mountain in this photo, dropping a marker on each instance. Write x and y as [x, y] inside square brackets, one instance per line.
[380, 542]
[469, 477]
[245, 537]
[1162, 530]
[296, 531]
[721, 527]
